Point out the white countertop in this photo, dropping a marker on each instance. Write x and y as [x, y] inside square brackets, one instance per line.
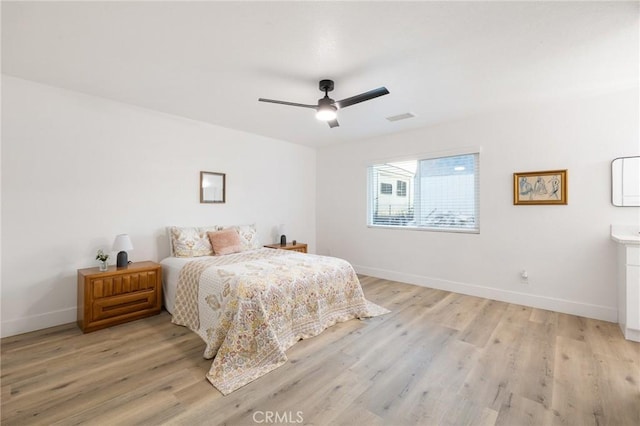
[625, 234]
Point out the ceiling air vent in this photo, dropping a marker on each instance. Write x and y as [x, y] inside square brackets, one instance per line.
[401, 116]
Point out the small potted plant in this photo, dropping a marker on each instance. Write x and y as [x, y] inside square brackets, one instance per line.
[102, 257]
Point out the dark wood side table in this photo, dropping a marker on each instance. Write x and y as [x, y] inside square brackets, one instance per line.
[118, 295]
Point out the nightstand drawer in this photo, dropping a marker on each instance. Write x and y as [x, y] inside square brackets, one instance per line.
[123, 284]
[115, 306]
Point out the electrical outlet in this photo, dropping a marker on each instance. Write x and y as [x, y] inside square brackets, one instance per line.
[524, 276]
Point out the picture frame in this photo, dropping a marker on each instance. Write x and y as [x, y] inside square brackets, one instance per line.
[546, 187]
[213, 187]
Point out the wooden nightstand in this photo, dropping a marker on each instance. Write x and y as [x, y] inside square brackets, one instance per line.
[118, 295]
[300, 247]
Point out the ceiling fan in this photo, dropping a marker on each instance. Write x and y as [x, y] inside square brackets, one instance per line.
[327, 107]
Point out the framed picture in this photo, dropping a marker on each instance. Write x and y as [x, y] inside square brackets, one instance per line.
[549, 187]
[212, 187]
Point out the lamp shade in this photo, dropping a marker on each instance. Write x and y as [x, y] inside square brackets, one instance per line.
[122, 243]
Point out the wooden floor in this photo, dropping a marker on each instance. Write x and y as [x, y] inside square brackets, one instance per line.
[438, 359]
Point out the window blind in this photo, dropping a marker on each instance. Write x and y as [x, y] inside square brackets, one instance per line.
[439, 193]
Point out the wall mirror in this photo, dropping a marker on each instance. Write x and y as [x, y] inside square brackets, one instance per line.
[212, 187]
[625, 182]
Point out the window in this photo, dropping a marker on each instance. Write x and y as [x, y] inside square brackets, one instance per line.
[401, 190]
[440, 193]
[386, 188]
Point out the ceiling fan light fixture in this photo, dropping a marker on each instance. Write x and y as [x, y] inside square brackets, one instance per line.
[326, 109]
[326, 113]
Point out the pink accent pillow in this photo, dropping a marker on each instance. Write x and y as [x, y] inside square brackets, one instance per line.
[226, 241]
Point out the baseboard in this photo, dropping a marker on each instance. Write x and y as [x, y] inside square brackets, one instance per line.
[599, 312]
[630, 333]
[605, 313]
[37, 322]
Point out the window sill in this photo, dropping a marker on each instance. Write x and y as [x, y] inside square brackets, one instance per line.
[425, 228]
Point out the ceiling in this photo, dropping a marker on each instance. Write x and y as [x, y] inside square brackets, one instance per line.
[211, 61]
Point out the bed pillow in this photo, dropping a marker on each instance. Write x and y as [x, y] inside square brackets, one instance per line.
[226, 241]
[248, 236]
[189, 242]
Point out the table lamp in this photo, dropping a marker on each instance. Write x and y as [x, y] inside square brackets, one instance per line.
[121, 244]
[283, 238]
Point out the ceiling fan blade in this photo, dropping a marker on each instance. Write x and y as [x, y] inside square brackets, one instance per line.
[333, 123]
[380, 91]
[288, 103]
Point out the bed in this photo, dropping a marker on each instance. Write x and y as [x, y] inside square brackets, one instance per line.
[251, 305]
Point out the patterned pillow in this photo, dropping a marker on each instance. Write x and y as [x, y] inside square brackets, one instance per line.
[190, 242]
[248, 236]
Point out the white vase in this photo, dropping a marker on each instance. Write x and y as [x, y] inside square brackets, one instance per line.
[103, 265]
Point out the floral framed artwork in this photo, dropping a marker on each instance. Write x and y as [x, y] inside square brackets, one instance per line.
[548, 187]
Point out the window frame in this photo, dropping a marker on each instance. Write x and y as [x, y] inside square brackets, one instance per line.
[427, 156]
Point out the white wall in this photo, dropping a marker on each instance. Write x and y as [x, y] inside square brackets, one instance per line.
[77, 170]
[566, 249]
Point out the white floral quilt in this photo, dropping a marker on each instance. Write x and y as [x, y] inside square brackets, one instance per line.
[250, 307]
